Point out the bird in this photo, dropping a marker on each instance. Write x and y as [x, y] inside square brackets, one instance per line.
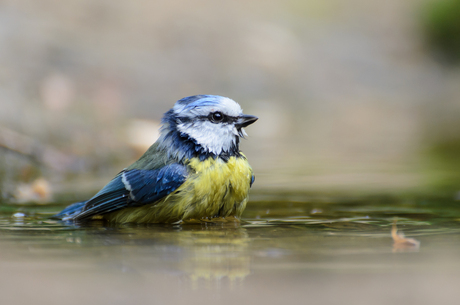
[194, 172]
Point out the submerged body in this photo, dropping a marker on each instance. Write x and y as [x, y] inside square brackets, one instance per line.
[194, 172]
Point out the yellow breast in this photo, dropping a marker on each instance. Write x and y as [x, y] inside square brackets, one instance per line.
[214, 188]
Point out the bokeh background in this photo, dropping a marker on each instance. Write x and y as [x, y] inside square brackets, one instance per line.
[353, 96]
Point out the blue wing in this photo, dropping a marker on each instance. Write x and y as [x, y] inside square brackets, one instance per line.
[131, 188]
[70, 211]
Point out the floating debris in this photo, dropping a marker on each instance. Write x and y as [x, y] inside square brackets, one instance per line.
[402, 243]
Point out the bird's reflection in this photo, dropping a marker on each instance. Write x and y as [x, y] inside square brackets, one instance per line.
[209, 252]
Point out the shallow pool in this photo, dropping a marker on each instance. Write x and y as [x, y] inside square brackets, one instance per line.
[288, 248]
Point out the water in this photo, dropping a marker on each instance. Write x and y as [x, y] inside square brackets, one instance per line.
[289, 248]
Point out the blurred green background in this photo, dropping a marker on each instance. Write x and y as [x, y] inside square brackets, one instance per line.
[353, 96]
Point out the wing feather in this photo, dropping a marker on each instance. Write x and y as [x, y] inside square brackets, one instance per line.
[134, 187]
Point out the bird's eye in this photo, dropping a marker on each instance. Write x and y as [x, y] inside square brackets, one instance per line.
[217, 117]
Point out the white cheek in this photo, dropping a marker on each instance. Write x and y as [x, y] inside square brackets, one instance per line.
[215, 138]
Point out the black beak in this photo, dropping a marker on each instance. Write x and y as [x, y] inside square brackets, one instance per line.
[245, 120]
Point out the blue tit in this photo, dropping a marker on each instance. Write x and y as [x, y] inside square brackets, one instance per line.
[195, 171]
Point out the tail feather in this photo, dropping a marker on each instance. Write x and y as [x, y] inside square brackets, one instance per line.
[70, 211]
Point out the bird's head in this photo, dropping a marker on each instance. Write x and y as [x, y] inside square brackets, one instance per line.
[213, 124]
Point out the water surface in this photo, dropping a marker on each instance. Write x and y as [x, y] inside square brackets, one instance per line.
[288, 248]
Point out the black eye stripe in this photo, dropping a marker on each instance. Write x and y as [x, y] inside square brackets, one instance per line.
[219, 117]
[226, 119]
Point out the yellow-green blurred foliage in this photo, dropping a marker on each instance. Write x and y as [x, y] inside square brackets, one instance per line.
[441, 20]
